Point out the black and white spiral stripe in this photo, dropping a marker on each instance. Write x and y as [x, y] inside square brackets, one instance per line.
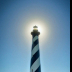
[35, 56]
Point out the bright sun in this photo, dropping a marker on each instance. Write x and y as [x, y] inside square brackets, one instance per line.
[39, 29]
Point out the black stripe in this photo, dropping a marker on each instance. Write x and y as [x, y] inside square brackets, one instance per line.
[34, 36]
[38, 69]
[35, 57]
[34, 43]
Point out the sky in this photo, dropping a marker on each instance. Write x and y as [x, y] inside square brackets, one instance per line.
[17, 17]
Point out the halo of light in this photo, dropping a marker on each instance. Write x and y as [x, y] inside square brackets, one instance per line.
[42, 28]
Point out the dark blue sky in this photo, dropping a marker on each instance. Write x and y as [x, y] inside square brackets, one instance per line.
[16, 17]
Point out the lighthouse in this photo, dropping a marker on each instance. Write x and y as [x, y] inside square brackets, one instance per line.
[35, 53]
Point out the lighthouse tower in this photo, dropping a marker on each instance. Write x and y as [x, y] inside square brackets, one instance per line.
[35, 54]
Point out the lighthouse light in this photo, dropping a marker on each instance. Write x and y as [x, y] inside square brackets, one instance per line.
[35, 28]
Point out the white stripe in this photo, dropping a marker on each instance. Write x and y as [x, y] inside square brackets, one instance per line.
[35, 65]
[35, 38]
[32, 53]
[35, 49]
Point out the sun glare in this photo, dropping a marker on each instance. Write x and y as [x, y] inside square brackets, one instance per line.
[38, 25]
[39, 29]
[42, 28]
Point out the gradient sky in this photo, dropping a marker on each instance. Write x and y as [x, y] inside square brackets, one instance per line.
[16, 17]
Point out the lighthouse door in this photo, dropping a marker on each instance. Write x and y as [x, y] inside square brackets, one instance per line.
[32, 70]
